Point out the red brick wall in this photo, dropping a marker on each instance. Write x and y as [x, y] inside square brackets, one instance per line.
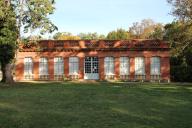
[101, 68]
[117, 68]
[147, 68]
[81, 67]
[164, 55]
[35, 68]
[161, 51]
[66, 67]
[165, 68]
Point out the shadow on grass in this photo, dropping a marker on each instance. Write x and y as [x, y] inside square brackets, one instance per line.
[95, 105]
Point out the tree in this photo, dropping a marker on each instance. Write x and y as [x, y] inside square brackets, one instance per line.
[91, 36]
[8, 37]
[33, 14]
[179, 34]
[65, 36]
[158, 32]
[182, 9]
[82, 36]
[30, 15]
[144, 29]
[119, 34]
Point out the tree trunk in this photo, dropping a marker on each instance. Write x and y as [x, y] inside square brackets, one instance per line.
[3, 73]
[7, 76]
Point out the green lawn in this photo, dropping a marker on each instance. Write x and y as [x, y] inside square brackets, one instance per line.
[95, 105]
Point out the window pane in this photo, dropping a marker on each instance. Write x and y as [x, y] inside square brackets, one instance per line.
[124, 66]
[73, 65]
[109, 66]
[43, 66]
[155, 66]
[139, 66]
[58, 66]
[28, 65]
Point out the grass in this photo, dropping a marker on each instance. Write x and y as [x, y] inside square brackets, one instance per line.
[95, 105]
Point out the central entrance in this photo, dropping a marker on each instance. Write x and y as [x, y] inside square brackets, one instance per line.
[91, 68]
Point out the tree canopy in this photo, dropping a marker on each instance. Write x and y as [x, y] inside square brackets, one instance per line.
[145, 29]
[182, 9]
[119, 34]
[179, 35]
[33, 14]
[17, 15]
[91, 36]
[8, 37]
[65, 36]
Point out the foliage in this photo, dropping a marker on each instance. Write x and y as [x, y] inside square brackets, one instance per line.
[8, 29]
[8, 37]
[17, 14]
[145, 29]
[173, 34]
[8, 33]
[176, 60]
[91, 36]
[65, 36]
[33, 14]
[119, 34]
[188, 56]
[182, 9]
[158, 32]
[7, 53]
[179, 34]
[181, 73]
[83, 36]
[31, 39]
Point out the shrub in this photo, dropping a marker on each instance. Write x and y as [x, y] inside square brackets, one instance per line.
[181, 73]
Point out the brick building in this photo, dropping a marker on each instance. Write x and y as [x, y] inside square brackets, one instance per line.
[95, 60]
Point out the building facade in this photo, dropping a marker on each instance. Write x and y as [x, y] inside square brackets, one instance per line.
[93, 60]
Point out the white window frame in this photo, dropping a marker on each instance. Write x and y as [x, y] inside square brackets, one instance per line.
[28, 66]
[155, 66]
[124, 65]
[109, 65]
[58, 65]
[139, 66]
[73, 65]
[43, 66]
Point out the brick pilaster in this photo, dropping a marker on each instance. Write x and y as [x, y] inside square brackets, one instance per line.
[132, 68]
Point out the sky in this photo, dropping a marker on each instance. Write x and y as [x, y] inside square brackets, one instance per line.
[103, 16]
